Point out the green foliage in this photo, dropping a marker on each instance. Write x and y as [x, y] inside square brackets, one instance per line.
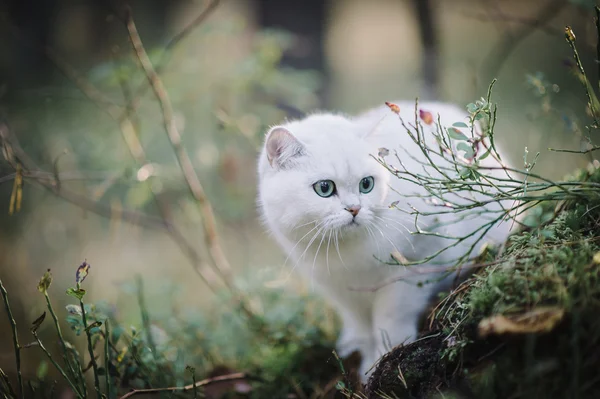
[293, 355]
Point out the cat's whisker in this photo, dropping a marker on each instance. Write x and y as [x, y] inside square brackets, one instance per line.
[408, 215]
[327, 252]
[390, 220]
[385, 221]
[384, 236]
[372, 235]
[294, 247]
[337, 248]
[315, 260]
[298, 242]
[305, 224]
[307, 247]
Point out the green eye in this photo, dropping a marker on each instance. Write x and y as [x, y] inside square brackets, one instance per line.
[324, 188]
[366, 185]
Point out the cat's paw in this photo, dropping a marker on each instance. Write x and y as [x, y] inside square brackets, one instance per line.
[367, 366]
[352, 340]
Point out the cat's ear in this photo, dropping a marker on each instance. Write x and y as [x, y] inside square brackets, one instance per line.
[282, 146]
[373, 130]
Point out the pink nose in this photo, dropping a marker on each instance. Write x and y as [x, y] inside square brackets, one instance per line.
[353, 209]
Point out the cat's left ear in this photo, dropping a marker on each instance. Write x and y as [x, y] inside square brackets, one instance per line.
[282, 147]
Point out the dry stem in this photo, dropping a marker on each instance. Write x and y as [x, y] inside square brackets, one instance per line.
[205, 382]
[194, 185]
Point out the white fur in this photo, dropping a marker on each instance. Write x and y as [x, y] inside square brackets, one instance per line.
[334, 254]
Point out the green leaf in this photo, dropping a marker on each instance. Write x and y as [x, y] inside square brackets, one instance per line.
[42, 370]
[480, 116]
[456, 134]
[466, 173]
[93, 325]
[45, 282]
[78, 293]
[472, 108]
[468, 150]
[116, 333]
[459, 124]
[37, 323]
[485, 154]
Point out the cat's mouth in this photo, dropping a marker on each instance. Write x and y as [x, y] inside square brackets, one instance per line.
[353, 224]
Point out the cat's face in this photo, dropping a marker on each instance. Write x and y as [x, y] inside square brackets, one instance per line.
[320, 178]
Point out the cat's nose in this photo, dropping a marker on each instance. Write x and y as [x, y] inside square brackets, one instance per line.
[353, 209]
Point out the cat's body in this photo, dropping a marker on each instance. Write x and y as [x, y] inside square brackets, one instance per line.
[335, 238]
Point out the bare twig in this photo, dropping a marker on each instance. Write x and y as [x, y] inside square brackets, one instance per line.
[421, 270]
[13, 325]
[586, 151]
[49, 183]
[130, 136]
[495, 59]
[210, 7]
[7, 384]
[219, 261]
[591, 96]
[501, 17]
[202, 383]
[204, 14]
[121, 115]
[70, 366]
[57, 366]
[63, 176]
[107, 357]
[88, 335]
[95, 95]
[194, 185]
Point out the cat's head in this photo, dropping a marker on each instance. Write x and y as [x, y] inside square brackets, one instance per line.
[318, 173]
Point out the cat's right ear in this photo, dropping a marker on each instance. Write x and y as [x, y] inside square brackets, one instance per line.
[282, 147]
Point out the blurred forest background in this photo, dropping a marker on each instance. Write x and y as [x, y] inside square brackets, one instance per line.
[246, 66]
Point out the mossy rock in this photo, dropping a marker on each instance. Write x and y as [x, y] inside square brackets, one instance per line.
[526, 326]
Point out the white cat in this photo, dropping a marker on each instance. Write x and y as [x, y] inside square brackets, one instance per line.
[327, 203]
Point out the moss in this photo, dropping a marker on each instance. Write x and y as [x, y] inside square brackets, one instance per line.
[547, 265]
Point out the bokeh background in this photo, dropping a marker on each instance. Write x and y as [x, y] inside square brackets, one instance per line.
[249, 65]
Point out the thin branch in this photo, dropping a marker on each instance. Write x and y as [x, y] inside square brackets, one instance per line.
[90, 348]
[212, 5]
[194, 185]
[421, 270]
[121, 115]
[508, 43]
[501, 17]
[162, 63]
[586, 151]
[7, 384]
[63, 176]
[597, 22]
[208, 381]
[218, 259]
[61, 339]
[13, 325]
[57, 366]
[130, 136]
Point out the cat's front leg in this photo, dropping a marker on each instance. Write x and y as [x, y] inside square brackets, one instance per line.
[355, 334]
[396, 311]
